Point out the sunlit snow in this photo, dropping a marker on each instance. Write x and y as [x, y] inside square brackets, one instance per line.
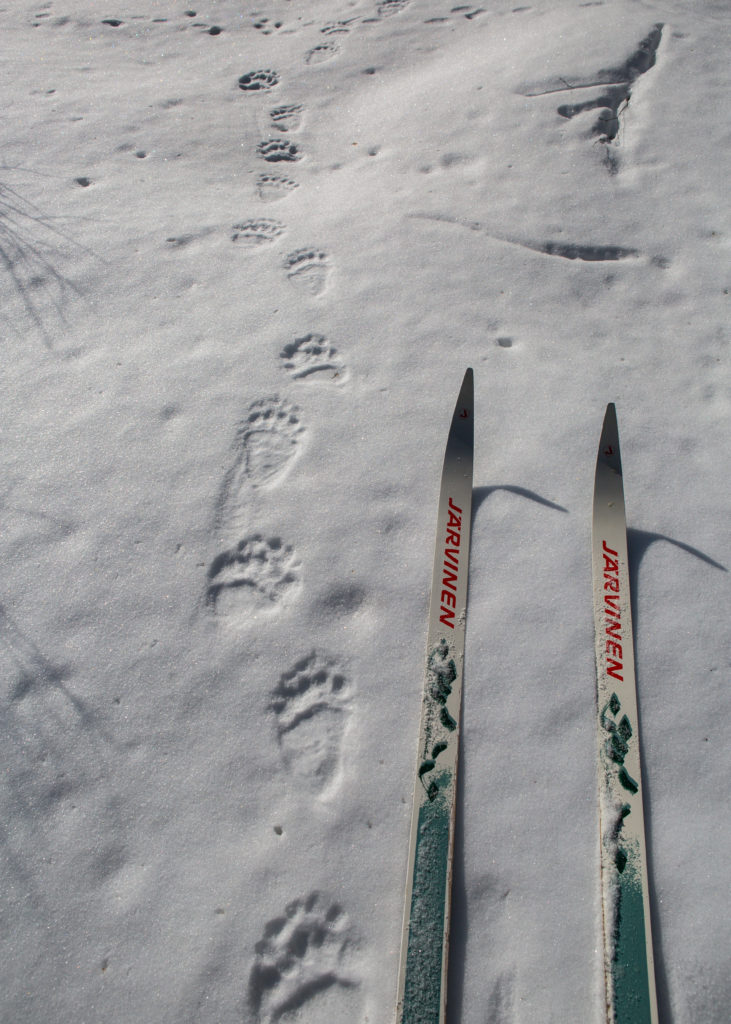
[246, 255]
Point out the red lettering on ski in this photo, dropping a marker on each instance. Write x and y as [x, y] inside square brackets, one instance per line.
[450, 574]
[612, 613]
[449, 579]
[614, 630]
[454, 520]
[447, 616]
[613, 668]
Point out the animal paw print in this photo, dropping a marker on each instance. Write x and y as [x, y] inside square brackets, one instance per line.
[287, 118]
[276, 150]
[265, 444]
[311, 705]
[258, 81]
[337, 28]
[270, 187]
[312, 354]
[304, 957]
[308, 270]
[464, 11]
[323, 52]
[267, 27]
[258, 573]
[389, 7]
[253, 233]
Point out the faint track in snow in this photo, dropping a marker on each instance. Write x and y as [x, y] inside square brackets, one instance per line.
[609, 91]
[271, 187]
[266, 442]
[308, 270]
[286, 118]
[310, 703]
[564, 250]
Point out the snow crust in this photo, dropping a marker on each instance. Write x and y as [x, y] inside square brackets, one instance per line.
[245, 258]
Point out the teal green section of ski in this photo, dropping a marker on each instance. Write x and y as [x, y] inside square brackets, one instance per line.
[422, 993]
[629, 966]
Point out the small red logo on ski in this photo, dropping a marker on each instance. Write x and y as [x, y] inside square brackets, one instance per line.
[465, 414]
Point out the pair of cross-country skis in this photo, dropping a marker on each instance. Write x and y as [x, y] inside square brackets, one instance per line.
[627, 941]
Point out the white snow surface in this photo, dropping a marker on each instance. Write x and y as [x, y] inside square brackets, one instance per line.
[235, 319]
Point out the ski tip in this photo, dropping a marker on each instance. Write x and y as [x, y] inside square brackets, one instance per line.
[466, 400]
[462, 429]
[609, 443]
[610, 425]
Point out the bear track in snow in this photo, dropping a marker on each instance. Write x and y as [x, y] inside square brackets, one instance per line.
[256, 574]
[312, 354]
[308, 270]
[266, 442]
[311, 706]
[303, 956]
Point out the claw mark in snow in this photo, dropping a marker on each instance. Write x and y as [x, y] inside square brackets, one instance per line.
[253, 233]
[276, 150]
[336, 28]
[287, 118]
[389, 7]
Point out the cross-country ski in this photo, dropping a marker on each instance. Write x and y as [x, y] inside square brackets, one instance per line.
[422, 993]
[628, 959]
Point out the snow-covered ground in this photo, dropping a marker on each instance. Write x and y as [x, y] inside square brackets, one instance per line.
[245, 258]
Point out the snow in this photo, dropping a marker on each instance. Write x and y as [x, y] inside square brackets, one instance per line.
[232, 345]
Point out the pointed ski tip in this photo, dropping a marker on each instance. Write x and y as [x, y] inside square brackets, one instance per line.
[467, 390]
[608, 453]
[610, 425]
